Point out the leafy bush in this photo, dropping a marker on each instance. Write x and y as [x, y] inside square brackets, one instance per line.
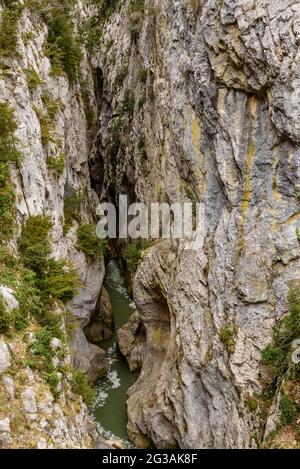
[72, 206]
[10, 17]
[8, 151]
[47, 116]
[277, 356]
[63, 47]
[51, 105]
[53, 380]
[8, 154]
[59, 281]
[88, 242]
[57, 164]
[226, 334]
[81, 386]
[7, 203]
[5, 319]
[127, 105]
[133, 253]
[143, 74]
[136, 12]
[28, 295]
[33, 79]
[34, 243]
[46, 125]
[288, 410]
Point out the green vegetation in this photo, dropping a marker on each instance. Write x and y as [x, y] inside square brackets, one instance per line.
[277, 356]
[142, 148]
[34, 244]
[33, 79]
[288, 410]
[47, 117]
[191, 195]
[72, 206]
[127, 105]
[9, 21]
[4, 317]
[226, 335]
[56, 279]
[56, 164]
[59, 281]
[8, 154]
[88, 107]
[51, 105]
[91, 31]
[63, 46]
[252, 403]
[114, 142]
[143, 74]
[81, 386]
[41, 357]
[136, 13]
[122, 74]
[133, 253]
[106, 7]
[141, 102]
[88, 242]
[125, 108]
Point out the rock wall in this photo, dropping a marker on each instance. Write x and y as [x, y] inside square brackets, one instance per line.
[30, 415]
[197, 101]
[202, 98]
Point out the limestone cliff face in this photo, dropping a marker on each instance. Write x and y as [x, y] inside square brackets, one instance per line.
[51, 126]
[201, 102]
[197, 101]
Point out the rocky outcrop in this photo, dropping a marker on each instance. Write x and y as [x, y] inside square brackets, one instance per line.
[207, 110]
[55, 138]
[5, 357]
[131, 341]
[101, 324]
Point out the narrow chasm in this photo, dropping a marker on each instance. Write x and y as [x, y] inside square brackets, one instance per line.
[109, 408]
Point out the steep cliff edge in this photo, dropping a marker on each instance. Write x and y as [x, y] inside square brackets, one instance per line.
[202, 103]
[48, 111]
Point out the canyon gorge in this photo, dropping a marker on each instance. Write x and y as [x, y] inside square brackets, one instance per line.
[165, 101]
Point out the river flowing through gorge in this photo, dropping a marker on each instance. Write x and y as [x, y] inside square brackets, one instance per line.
[111, 391]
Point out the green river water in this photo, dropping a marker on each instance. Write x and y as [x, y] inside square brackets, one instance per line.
[111, 391]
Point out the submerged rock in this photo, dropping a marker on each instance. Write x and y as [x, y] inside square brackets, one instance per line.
[101, 325]
[131, 342]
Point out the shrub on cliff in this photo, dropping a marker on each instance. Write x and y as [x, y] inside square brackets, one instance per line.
[88, 242]
[59, 281]
[133, 253]
[63, 47]
[81, 386]
[8, 155]
[9, 27]
[34, 243]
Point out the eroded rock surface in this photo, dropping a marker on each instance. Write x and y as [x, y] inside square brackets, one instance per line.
[215, 119]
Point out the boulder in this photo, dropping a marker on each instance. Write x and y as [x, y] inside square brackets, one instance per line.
[101, 325]
[9, 299]
[5, 357]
